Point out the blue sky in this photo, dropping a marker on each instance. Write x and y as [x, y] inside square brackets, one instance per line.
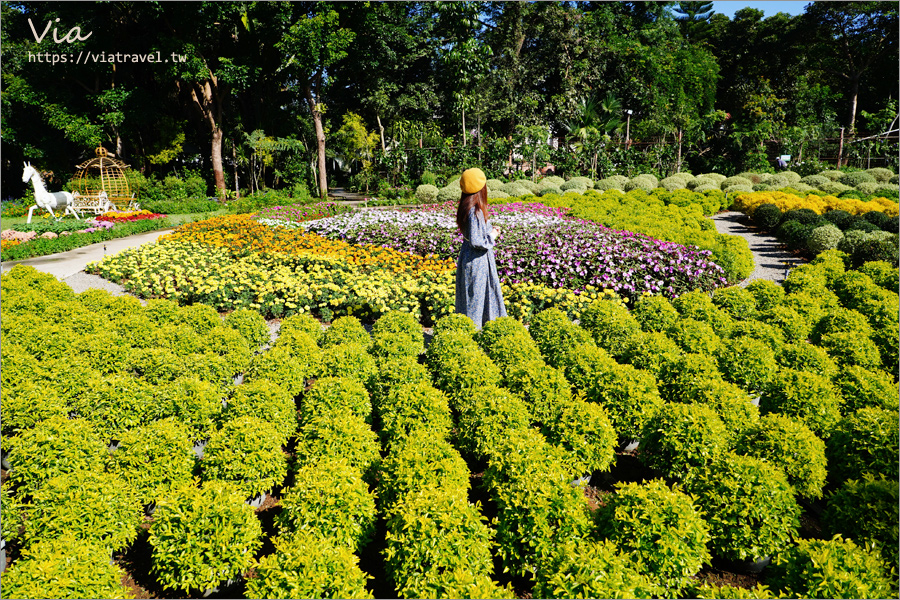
[769, 7]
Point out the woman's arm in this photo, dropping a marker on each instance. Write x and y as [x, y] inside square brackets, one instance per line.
[480, 236]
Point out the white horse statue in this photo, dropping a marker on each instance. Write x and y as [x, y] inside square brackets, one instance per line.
[46, 200]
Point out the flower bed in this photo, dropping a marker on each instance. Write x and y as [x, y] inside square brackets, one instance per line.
[748, 203]
[123, 216]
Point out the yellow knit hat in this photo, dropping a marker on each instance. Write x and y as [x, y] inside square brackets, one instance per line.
[472, 181]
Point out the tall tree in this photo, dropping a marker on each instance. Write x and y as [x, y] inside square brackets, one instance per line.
[850, 39]
[312, 44]
[693, 17]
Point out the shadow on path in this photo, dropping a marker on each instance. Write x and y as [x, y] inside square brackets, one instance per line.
[771, 259]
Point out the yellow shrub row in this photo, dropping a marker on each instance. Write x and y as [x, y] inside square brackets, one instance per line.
[749, 202]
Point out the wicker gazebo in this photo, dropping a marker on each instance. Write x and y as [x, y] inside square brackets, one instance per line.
[102, 178]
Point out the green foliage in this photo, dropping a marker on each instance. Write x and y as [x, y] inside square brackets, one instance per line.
[826, 237]
[708, 590]
[203, 537]
[865, 441]
[302, 322]
[661, 529]
[683, 377]
[834, 568]
[694, 336]
[542, 388]
[417, 461]
[793, 326]
[348, 361]
[294, 358]
[746, 362]
[264, 400]
[154, 459]
[749, 507]
[28, 404]
[882, 274]
[862, 388]
[65, 567]
[866, 510]
[610, 324]
[394, 372]
[56, 446]
[767, 294]
[116, 404]
[431, 533]
[245, 452]
[789, 444]
[338, 435]
[650, 351]
[737, 302]
[193, 402]
[454, 322]
[654, 313]
[345, 330]
[697, 305]
[731, 403]
[682, 437]
[201, 317]
[412, 407]
[486, 417]
[329, 501]
[462, 583]
[584, 431]
[249, 324]
[330, 394]
[507, 344]
[458, 366]
[592, 570]
[555, 334]
[808, 397]
[308, 566]
[397, 333]
[848, 348]
[768, 334]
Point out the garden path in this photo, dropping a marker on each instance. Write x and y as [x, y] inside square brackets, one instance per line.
[771, 259]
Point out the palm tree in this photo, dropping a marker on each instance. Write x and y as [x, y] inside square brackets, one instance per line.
[693, 16]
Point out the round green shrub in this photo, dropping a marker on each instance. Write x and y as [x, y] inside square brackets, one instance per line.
[348, 361]
[230, 345]
[302, 322]
[592, 570]
[834, 188]
[486, 418]
[55, 446]
[673, 183]
[193, 402]
[553, 180]
[767, 294]
[28, 404]
[882, 274]
[329, 501]
[654, 313]
[414, 407]
[450, 193]
[659, 527]
[642, 182]
[808, 358]
[345, 330]
[789, 444]
[179, 338]
[338, 435]
[746, 362]
[682, 437]
[154, 459]
[809, 305]
[307, 566]
[203, 537]
[542, 388]
[764, 332]
[201, 317]
[610, 324]
[834, 568]
[418, 461]
[394, 372]
[454, 322]
[767, 216]
[736, 180]
[157, 365]
[862, 388]
[864, 441]
[848, 348]
[680, 379]
[281, 365]
[749, 507]
[247, 453]
[433, 532]
[583, 430]
[866, 510]
[549, 189]
[792, 325]
[815, 180]
[709, 590]
[839, 218]
[249, 324]
[694, 336]
[733, 405]
[855, 178]
[650, 351]
[426, 194]
[163, 311]
[264, 400]
[737, 302]
[511, 350]
[879, 220]
[698, 305]
[458, 374]
[395, 333]
[826, 237]
[65, 567]
[494, 184]
[854, 289]
[461, 583]
[832, 174]
[610, 184]
[555, 334]
[880, 174]
[332, 394]
[807, 397]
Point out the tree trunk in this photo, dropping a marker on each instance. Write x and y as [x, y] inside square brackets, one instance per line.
[854, 95]
[479, 138]
[678, 163]
[206, 99]
[381, 129]
[464, 125]
[237, 193]
[320, 140]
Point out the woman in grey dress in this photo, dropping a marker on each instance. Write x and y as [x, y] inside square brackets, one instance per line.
[478, 293]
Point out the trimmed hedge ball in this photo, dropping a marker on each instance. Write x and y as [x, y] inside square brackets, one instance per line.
[865, 441]
[682, 437]
[808, 397]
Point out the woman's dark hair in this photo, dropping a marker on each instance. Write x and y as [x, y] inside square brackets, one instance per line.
[478, 199]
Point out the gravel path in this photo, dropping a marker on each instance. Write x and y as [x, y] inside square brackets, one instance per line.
[771, 259]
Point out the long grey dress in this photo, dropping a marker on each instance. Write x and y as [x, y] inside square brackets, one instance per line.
[478, 293]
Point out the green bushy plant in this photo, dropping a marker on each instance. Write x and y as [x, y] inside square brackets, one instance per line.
[510, 350]
[345, 330]
[179, 338]
[682, 437]
[746, 362]
[767, 294]
[880, 174]
[157, 366]
[454, 322]
[486, 418]
[840, 320]
[789, 444]
[201, 317]
[882, 274]
[770, 335]
[230, 345]
[839, 218]
[302, 322]
[426, 193]
[584, 431]
[808, 397]
[854, 178]
[650, 351]
[27, 404]
[709, 590]
[193, 402]
[412, 407]
[555, 334]
[348, 361]
[694, 336]
[834, 568]
[654, 313]
[592, 570]
[733, 405]
[329, 501]
[825, 237]
[681, 378]
[793, 326]
[808, 358]
[394, 372]
[659, 527]
[308, 566]
[461, 583]
[459, 366]
[542, 388]
[848, 348]
[749, 507]
[56, 446]
[154, 459]
[330, 394]
[264, 400]
[247, 453]
[203, 537]
[418, 461]
[117, 403]
[609, 323]
[866, 510]
[249, 324]
[697, 305]
[862, 388]
[432, 532]
[338, 435]
[65, 567]
[737, 302]
[864, 441]
[397, 333]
